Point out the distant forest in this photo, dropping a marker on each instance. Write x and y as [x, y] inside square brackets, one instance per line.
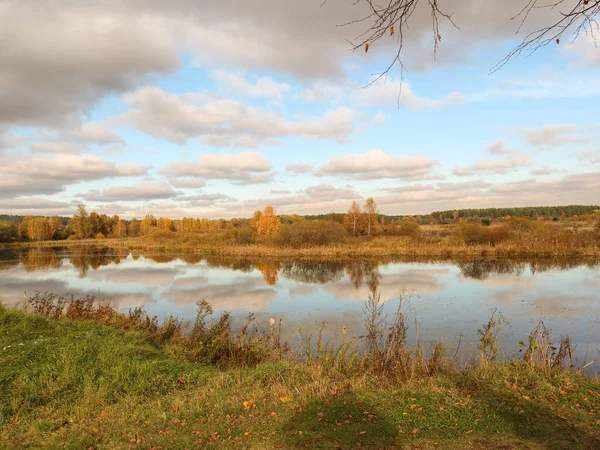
[355, 222]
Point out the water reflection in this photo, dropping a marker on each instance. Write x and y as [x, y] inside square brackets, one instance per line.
[455, 296]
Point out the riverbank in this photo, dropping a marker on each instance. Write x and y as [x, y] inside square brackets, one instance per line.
[383, 246]
[104, 382]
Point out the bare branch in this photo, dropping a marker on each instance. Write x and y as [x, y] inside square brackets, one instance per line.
[392, 17]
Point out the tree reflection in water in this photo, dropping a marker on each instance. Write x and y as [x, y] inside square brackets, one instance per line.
[313, 272]
[360, 272]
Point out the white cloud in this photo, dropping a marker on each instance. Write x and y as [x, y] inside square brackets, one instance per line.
[261, 87]
[219, 122]
[10, 140]
[97, 133]
[243, 168]
[494, 166]
[186, 183]
[388, 93]
[376, 164]
[34, 204]
[499, 147]
[318, 198]
[584, 49]
[544, 170]
[56, 147]
[298, 168]
[136, 192]
[58, 60]
[591, 157]
[44, 174]
[554, 135]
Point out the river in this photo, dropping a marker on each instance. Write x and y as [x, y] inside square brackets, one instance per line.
[446, 300]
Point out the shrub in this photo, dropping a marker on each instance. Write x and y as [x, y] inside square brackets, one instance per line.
[100, 236]
[472, 233]
[73, 237]
[161, 236]
[475, 234]
[521, 223]
[409, 227]
[310, 233]
[486, 222]
[555, 219]
[497, 234]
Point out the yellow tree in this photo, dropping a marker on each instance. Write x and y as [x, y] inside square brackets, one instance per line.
[371, 213]
[120, 229]
[164, 223]
[267, 224]
[352, 218]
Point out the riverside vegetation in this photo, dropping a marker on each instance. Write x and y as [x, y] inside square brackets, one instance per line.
[510, 232]
[76, 373]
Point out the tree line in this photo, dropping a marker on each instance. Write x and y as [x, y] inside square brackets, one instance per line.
[359, 220]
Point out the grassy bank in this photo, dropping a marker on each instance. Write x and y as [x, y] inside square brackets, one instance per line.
[77, 376]
[383, 246]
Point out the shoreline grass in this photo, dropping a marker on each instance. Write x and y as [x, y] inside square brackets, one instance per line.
[384, 246]
[77, 374]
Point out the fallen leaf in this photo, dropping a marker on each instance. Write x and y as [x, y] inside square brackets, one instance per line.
[284, 398]
[249, 404]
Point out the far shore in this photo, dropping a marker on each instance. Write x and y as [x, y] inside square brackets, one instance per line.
[383, 246]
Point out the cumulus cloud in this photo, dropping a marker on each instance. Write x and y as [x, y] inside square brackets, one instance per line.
[499, 147]
[376, 164]
[136, 192]
[32, 204]
[61, 59]
[260, 87]
[584, 49]
[544, 170]
[224, 123]
[204, 200]
[56, 147]
[554, 135]
[390, 93]
[186, 183]
[318, 198]
[96, 133]
[243, 168]
[42, 174]
[591, 157]
[298, 167]
[494, 166]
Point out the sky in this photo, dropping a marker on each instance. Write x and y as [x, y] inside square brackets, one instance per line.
[196, 108]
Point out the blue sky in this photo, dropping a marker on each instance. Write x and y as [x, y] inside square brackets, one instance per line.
[211, 110]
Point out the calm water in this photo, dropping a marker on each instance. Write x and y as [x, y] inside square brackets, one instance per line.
[450, 298]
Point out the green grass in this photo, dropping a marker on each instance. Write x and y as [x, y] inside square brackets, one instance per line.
[79, 384]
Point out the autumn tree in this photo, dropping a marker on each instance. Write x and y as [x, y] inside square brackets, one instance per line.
[255, 218]
[371, 215]
[148, 224]
[120, 229]
[134, 228]
[164, 223]
[80, 222]
[267, 224]
[352, 218]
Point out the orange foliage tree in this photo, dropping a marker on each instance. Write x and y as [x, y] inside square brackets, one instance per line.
[268, 223]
